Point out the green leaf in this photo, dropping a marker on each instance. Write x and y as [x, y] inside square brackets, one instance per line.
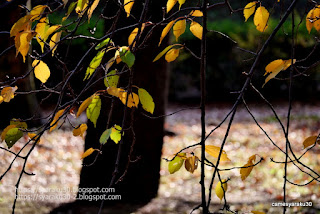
[176, 163]
[146, 100]
[112, 79]
[93, 110]
[12, 136]
[103, 43]
[127, 57]
[116, 133]
[19, 124]
[105, 136]
[96, 61]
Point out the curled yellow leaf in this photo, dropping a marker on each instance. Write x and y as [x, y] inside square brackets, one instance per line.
[87, 153]
[54, 122]
[84, 105]
[79, 131]
[128, 4]
[179, 28]
[261, 18]
[221, 188]
[172, 55]
[247, 168]
[214, 152]
[196, 29]
[249, 9]
[41, 70]
[275, 67]
[165, 31]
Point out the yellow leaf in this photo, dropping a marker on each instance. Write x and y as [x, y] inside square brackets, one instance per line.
[133, 99]
[117, 57]
[114, 91]
[261, 18]
[244, 172]
[54, 40]
[81, 6]
[112, 79]
[128, 6]
[79, 131]
[146, 100]
[191, 163]
[259, 212]
[176, 163]
[166, 30]
[37, 11]
[34, 137]
[214, 152]
[310, 20]
[20, 25]
[316, 16]
[41, 29]
[221, 189]
[196, 29]
[4, 133]
[249, 9]
[196, 13]
[172, 55]
[92, 8]
[51, 30]
[41, 70]
[25, 38]
[275, 67]
[309, 141]
[181, 2]
[116, 133]
[134, 33]
[87, 153]
[1, 99]
[7, 93]
[54, 122]
[170, 4]
[179, 28]
[84, 105]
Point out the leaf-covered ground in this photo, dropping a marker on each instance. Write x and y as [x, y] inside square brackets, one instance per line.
[56, 163]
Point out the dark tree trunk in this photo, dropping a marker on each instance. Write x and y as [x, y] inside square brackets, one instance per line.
[141, 182]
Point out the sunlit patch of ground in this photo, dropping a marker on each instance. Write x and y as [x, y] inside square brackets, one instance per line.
[56, 163]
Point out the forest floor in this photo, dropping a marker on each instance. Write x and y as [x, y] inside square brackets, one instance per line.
[56, 163]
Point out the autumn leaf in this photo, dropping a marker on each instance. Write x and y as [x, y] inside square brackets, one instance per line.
[247, 168]
[176, 163]
[37, 11]
[50, 31]
[105, 42]
[221, 189]
[172, 55]
[163, 52]
[80, 130]
[170, 4]
[261, 18]
[310, 20]
[196, 13]
[87, 153]
[309, 141]
[12, 136]
[127, 56]
[128, 4]
[34, 137]
[316, 16]
[70, 9]
[21, 25]
[94, 64]
[93, 110]
[84, 105]
[114, 91]
[275, 67]
[81, 6]
[249, 10]
[179, 28]
[133, 99]
[105, 136]
[24, 43]
[112, 79]
[41, 29]
[116, 133]
[134, 33]
[166, 30]
[92, 8]
[146, 100]
[191, 163]
[196, 29]
[54, 122]
[214, 152]
[181, 2]
[54, 40]
[7, 93]
[4, 132]
[41, 70]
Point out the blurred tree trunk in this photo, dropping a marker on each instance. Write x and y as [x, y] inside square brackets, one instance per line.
[11, 66]
[141, 182]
